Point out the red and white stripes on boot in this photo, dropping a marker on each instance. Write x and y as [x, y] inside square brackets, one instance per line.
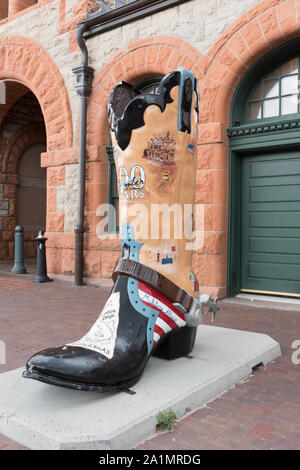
[169, 317]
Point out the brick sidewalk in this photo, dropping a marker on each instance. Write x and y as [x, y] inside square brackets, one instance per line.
[263, 412]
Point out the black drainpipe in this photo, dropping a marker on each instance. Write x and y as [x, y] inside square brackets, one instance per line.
[84, 78]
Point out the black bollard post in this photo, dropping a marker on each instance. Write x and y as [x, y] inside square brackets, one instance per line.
[41, 259]
[19, 267]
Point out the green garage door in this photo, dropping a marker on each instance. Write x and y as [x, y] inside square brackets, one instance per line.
[270, 234]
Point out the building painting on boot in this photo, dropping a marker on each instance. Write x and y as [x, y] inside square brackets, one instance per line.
[245, 55]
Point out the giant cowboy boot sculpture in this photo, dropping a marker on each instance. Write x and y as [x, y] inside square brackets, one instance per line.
[154, 307]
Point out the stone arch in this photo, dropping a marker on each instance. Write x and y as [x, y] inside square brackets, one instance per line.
[26, 62]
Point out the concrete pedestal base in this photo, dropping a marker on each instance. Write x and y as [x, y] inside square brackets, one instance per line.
[41, 416]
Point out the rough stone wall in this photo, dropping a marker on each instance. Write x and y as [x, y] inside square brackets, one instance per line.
[198, 22]
[206, 20]
[67, 197]
[52, 25]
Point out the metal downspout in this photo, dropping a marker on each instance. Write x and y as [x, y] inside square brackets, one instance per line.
[84, 77]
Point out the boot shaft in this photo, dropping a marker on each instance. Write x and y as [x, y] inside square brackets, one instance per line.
[155, 149]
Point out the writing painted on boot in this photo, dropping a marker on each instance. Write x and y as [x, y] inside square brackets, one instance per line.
[102, 336]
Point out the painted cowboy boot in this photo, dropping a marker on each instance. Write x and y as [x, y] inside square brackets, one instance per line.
[154, 307]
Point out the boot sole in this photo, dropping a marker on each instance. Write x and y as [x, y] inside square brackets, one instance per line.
[175, 344]
[81, 386]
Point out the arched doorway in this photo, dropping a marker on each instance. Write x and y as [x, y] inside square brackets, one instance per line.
[29, 68]
[23, 139]
[264, 238]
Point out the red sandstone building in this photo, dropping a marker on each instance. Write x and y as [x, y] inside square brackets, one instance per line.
[246, 58]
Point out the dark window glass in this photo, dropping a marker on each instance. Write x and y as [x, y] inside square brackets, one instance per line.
[276, 94]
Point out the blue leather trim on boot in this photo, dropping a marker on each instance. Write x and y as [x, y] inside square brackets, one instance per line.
[128, 240]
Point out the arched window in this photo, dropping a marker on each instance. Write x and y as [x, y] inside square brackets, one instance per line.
[276, 94]
[150, 85]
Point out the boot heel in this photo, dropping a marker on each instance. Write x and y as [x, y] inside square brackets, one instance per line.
[177, 344]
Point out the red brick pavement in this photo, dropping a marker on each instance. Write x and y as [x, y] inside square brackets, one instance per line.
[262, 412]
[7, 283]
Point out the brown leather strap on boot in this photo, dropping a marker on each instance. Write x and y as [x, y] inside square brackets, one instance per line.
[154, 279]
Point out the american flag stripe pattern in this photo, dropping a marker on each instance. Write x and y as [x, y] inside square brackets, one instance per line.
[169, 318]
